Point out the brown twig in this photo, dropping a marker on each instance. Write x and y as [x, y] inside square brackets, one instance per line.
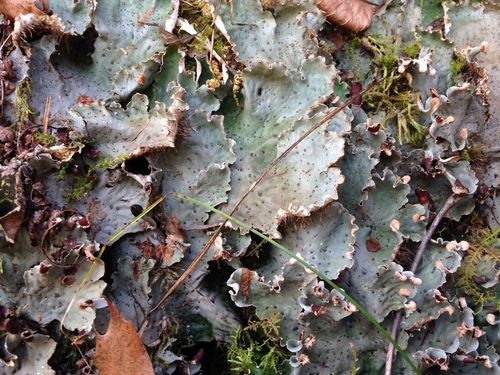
[203, 227]
[450, 202]
[212, 239]
[46, 115]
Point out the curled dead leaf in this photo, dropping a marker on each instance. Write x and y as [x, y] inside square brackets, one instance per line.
[355, 15]
[11, 223]
[67, 280]
[120, 350]
[13, 8]
[371, 127]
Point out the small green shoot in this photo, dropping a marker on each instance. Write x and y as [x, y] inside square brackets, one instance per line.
[311, 268]
[254, 250]
[354, 369]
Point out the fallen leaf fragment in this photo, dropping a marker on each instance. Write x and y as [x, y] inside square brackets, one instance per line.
[13, 8]
[355, 15]
[120, 350]
[11, 222]
[246, 277]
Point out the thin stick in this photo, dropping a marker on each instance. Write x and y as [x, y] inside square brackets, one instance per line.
[202, 227]
[46, 115]
[450, 202]
[212, 239]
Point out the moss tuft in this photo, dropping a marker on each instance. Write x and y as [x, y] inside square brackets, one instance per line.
[394, 95]
[82, 180]
[396, 98]
[253, 350]
[22, 110]
[475, 152]
[457, 65]
[412, 49]
[45, 139]
[484, 244]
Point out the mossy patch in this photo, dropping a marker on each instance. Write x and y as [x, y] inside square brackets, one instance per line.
[394, 95]
[22, 109]
[81, 177]
[254, 349]
[484, 247]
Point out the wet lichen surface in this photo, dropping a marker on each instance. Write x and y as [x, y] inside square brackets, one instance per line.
[109, 106]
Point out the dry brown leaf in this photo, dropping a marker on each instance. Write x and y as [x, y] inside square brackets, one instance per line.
[13, 8]
[11, 222]
[246, 277]
[355, 15]
[120, 350]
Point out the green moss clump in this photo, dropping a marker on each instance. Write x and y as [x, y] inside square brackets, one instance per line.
[412, 49]
[22, 110]
[355, 44]
[80, 186]
[45, 139]
[199, 13]
[475, 152]
[208, 42]
[63, 170]
[5, 192]
[80, 182]
[399, 102]
[457, 65]
[108, 162]
[385, 52]
[255, 352]
[483, 244]
[393, 95]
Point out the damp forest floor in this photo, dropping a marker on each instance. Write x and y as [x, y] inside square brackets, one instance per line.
[249, 187]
